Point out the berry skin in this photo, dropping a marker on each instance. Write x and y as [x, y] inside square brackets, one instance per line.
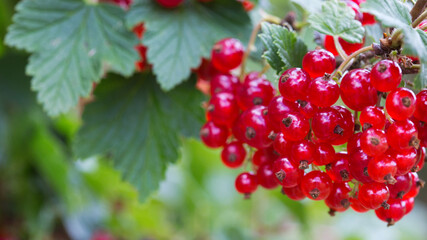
[405, 160]
[307, 109]
[303, 153]
[382, 169]
[233, 155]
[323, 92]
[255, 90]
[325, 154]
[339, 170]
[373, 195]
[374, 142]
[212, 135]
[401, 187]
[266, 176]
[400, 104]
[386, 75]
[316, 185]
[356, 90]
[286, 174]
[294, 193]
[403, 135]
[246, 183]
[346, 124]
[281, 145]
[349, 48]
[409, 204]
[394, 213]
[372, 117]
[253, 127]
[318, 62]
[277, 108]
[227, 54]
[224, 83]
[294, 126]
[170, 3]
[222, 109]
[339, 198]
[265, 155]
[417, 184]
[293, 84]
[354, 142]
[357, 206]
[421, 106]
[326, 124]
[358, 166]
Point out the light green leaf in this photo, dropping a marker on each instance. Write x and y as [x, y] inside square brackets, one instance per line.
[391, 13]
[271, 53]
[139, 126]
[178, 38]
[311, 6]
[71, 42]
[337, 19]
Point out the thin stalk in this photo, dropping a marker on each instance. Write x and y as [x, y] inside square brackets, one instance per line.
[419, 19]
[344, 64]
[339, 48]
[249, 48]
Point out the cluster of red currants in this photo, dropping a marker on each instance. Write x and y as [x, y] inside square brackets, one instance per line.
[290, 138]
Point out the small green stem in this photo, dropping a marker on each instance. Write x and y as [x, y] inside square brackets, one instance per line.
[339, 48]
[344, 64]
[249, 48]
[419, 19]
[416, 66]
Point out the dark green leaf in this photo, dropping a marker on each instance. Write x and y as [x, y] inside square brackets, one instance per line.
[178, 38]
[337, 19]
[71, 42]
[271, 53]
[391, 13]
[139, 125]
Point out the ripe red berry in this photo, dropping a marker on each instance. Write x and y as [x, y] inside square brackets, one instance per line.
[347, 126]
[374, 142]
[357, 91]
[405, 160]
[382, 169]
[400, 104]
[339, 198]
[327, 124]
[233, 155]
[386, 75]
[318, 62]
[247, 5]
[253, 127]
[358, 166]
[266, 176]
[286, 173]
[417, 184]
[373, 195]
[409, 205]
[303, 153]
[421, 106]
[402, 135]
[293, 84]
[354, 142]
[339, 170]
[255, 90]
[323, 92]
[282, 146]
[224, 83]
[372, 117]
[294, 193]
[227, 54]
[277, 109]
[213, 135]
[294, 126]
[170, 3]
[316, 185]
[222, 109]
[307, 109]
[206, 70]
[264, 155]
[394, 213]
[401, 187]
[325, 154]
[246, 183]
[348, 48]
[357, 206]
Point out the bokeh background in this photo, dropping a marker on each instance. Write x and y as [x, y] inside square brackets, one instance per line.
[46, 194]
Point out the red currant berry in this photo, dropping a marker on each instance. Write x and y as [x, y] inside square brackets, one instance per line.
[382, 169]
[421, 106]
[372, 117]
[233, 155]
[227, 54]
[323, 92]
[246, 183]
[373, 195]
[417, 184]
[294, 193]
[421, 156]
[265, 155]
[405, 160]
[266, 176]
[223, 109]
[307, 109]
[339, 170]
[281, 145]
[349, 48]
[294, 126]
[400, 104]
[224, 83]
[358, 166]
[357, 91]
[409, 204]
[318, 62]
[170, 3]
[374, 142]
[354, 142]
[327, 124]
[206, 70]
[316, 185]
[254, 128]
[403, 135]
[213, 135]
[286, 174]
[394, 213]
[357, 206]
[401, 187]
[356, 9]
[303, 153]
[346, 124]
[247, 5]
[325, 154]
[293, 84]
[255, 90]
[277, 109]
[386, 75]
[339, 198]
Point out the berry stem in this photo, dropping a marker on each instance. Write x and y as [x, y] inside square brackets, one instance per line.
[387, 116]
[339, 48]
[249, 48]
[355, 189]
[417, 8]
[344, 64]
[419, 19]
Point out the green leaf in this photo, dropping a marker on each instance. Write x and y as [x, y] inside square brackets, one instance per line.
[178, 38]
[284, 49]
[71, 42]
[391, 13]
[337, 19]
[311, 6]
[139, 125]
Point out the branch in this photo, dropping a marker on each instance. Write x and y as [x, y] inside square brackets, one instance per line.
[418, 9]
[419, 19]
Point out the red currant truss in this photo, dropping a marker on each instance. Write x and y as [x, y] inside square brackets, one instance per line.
[224, 83]
[303, 153]
[316, 185]
[372, 117]
[401, 187]
[394, 213]
[374, 142]
[373, 195]
[233, 154]
[294, 193]
[382, 169]
[286, 173]
[294, 126]
[227, 54]
[246, 183]
[212, 135]
[255, 90]
[400, 104]
[222, 109]
[421, 106]
[339, 198]
[266, 176]
[318, 62]
[339, 170]
[293, 84]
[356, 90]
[277, 109]
[323, 91]
[170, 3]
[386, 75]
[403, 135]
